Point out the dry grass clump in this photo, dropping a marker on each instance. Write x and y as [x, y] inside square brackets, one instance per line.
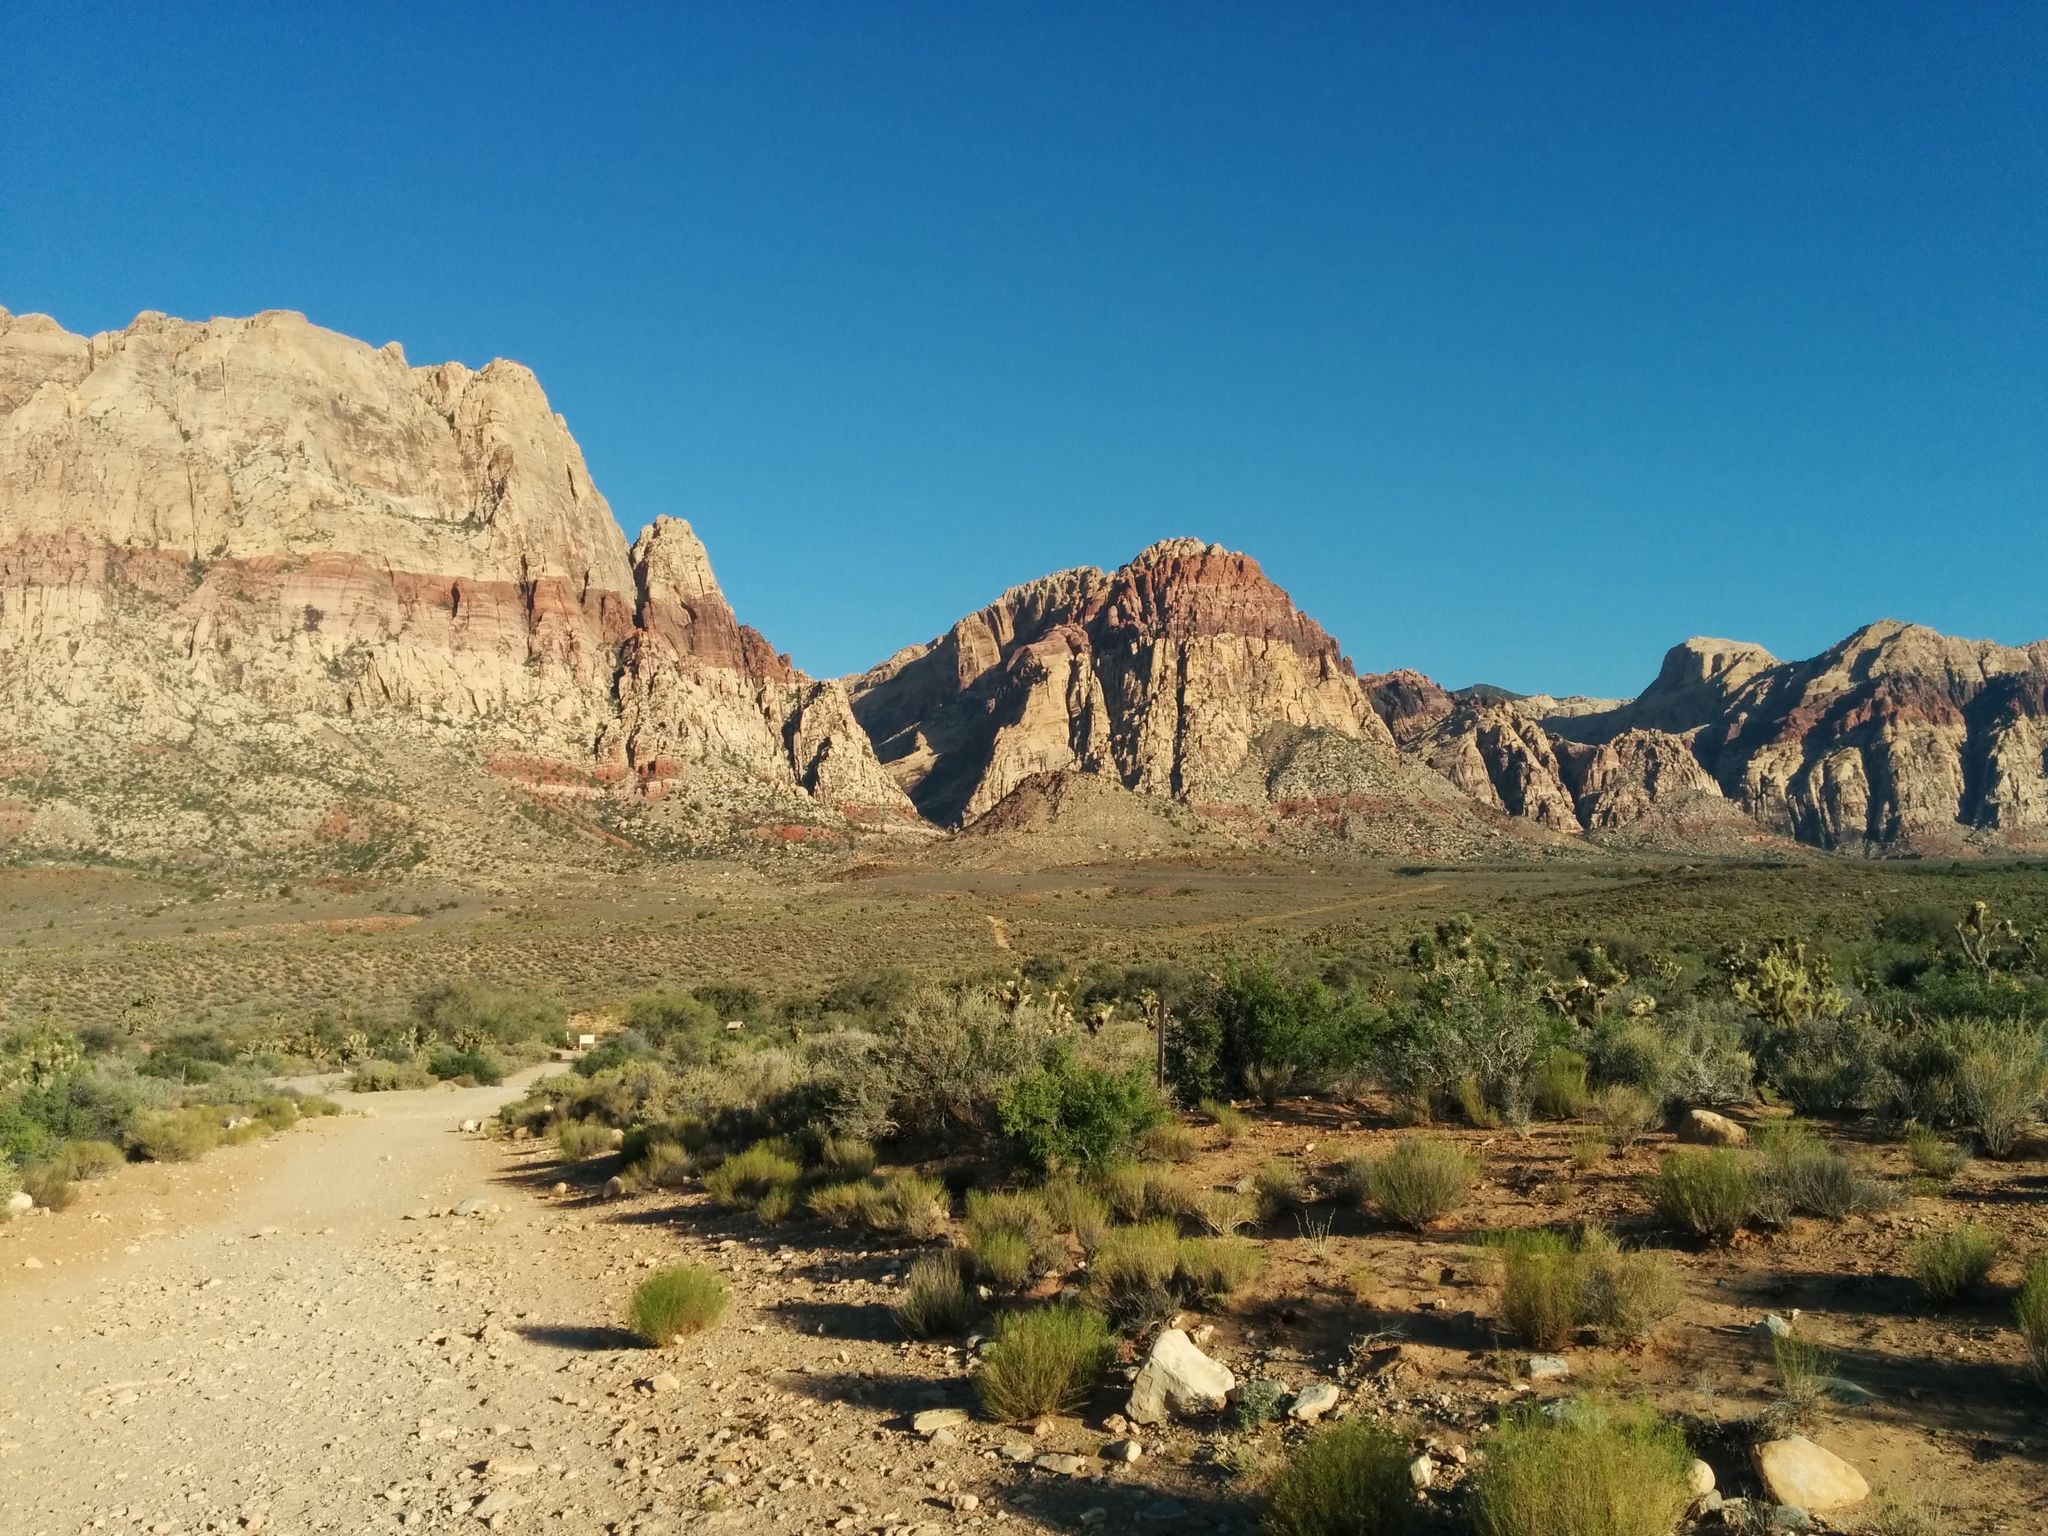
[846, 1157]
[1075, 1208]
[2030, 1311]
[1207, 1269]
[1226, 1212]
[1625, 1114]
[1123, 1189]
[1280, 1189]
[1541, 1285]
[1593, 1470]
[389, 1077]
[1348, 1480]
[10, 1184]
[1950, 1265]
[839, 1204]
[176, 1135]
[1553, 1285]
[1010, 1237]
[1170, 1141]
[664, 1165]
[1805, 1370]
[1172, 1194]
[674, 1303]
[577, 1140]
[934, 1299]
[1227, 1118]
[1130, 1273]
[1557, 1088]
[1801, 1175]
[1043, 1361]
[49, 1184]
[747, 1178]
[905, 1205]
[1933, 1155]
[89, 1160]
[1708, 1193]
[1421, 1180]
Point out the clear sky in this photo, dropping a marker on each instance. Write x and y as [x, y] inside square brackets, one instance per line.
[1517, 341]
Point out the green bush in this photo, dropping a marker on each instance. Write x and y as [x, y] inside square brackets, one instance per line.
[1130, 1273]
[1542, 1286]
[466, 1012]
[674, 1303]
[1170, 1141]
[2030, 1311]
[1068, 1114]
[1949, 1265]
[49, 1184]
[577, 1140]
[663, 1165]
[1933, 1155]
[1557, 1090]
[1207, 1269]
[1348, 1480]
[1227, 1118]
[1043, 1361]
[2001, 1075]
[89, 1160]
[1592, 1470]
[1011, 1238]
[1421, 1180]
[317, 1106]
[1280, 1189]
[1123, 1187]
[905, 1205]
[10, 1184]
[743, 1180]
[474, 1065]
[1625, 1113]
[177, 1135]
[847, 1157]
[77, 1106]
[388, 1077]
[1801, 1175]
[1707, 1193]
[935, 1299]
[1074, 1207]
[839, 1204]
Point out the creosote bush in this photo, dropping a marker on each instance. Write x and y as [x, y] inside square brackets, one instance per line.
[934, 1300]
[1709, 1193]
[1348, 1480]
[674, 1303]
[577, 1140]
[2030, 1312]
[1594, 1469]
[1043, 1361]
[177, 1135]
[1421, 1180]
[1950, 1265]
[746, 1178]
[905, 1205]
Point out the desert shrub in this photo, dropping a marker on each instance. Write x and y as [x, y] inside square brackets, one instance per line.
[905, 1205]
[934, 1299]
[681, 1026]
[1949, 1265]
[1625, 1113]
[1074, 1207]
[1123, 1189]
[49, 1184]
[1421, 1180]
[840, 1204]
[954, 1057]
[1206, 1269]
[1170, 1193]
[1042, 1361]
[1260, 1034]
[1557, 1089]
[664, 1165]
[466, 1012]
[1010, 1237]
[89, 1160]
[1708, 1193]
[1830, 1066]
[1348, 1480]
[1933, 1155]
[850, 1157]
[36, 1119]
[1804, 1371]
[1226, 1212]
[1260, 1401]
[1627, 1292]
[746, 1178]
[1171, 1141]
[1802, 1175]
[1227, 1118]
[10, 1185]
[276, 1111]
[1542, 1284]
[1705, 1062]
[1593, 1470]
[2001, 1074]
[1130, 1273]
[1279, 1188]
[177, 1135]
[576, 1140]
[2030, 1312]
[674, 1303]
[776, 1204]
[388, 1077]
[476, 1066]
[1068, 1114]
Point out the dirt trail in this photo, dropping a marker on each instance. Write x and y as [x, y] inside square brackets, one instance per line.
[294, 1343]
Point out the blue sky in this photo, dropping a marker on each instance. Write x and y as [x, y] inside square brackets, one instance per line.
[1518, 342]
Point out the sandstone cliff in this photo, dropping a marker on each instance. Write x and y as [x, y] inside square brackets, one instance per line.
[1161, 675]
[220, 535]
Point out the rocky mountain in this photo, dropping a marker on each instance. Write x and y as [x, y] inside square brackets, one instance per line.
[251, 570]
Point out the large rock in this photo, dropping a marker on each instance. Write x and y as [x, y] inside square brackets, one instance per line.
[1178, 1378]
[20, 1203]
[392, 589]
[1709, 1129]
[1796, 1471]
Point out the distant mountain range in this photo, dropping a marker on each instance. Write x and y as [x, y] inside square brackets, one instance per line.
[271, 594]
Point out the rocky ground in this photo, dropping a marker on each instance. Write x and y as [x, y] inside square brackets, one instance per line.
[303, 1335]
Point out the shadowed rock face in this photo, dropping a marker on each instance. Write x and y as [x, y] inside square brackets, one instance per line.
[1162, 675]
[256, 525]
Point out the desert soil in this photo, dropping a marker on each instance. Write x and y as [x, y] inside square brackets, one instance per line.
[289, 1337]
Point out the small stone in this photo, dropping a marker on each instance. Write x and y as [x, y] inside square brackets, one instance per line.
[1847, 1393]
[503, 1468]
[1699, 1477]
[1066, 1466]
[1313, 1401]
[1177, 1378]
[663, 1383]
[614, 1187]
[1019, 1450]
[1541, 1367]
[1772, 1324]
[478, 1205]
[503, 1502]
[1126, 1451]
[932, 1420]
[20, 1203]
[1790, 1517]
[1421, 1472]
[966, 1503]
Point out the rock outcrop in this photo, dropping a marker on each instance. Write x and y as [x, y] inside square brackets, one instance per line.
[255, 531]
[1163, 675]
